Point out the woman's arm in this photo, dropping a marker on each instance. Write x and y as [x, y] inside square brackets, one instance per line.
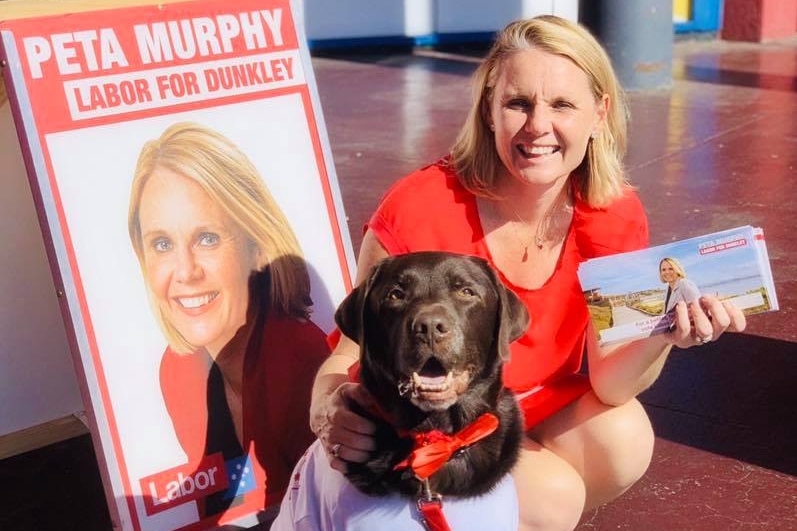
[331, 417]
[620, 372]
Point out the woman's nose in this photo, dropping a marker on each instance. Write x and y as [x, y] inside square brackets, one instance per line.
[187, 267]
[538, 120]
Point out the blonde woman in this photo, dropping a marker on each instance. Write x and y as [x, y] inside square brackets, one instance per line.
[535, 184]
[230, 290]
[679, 288]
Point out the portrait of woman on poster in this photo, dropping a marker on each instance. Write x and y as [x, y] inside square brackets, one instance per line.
[230, 290]
[679, 288]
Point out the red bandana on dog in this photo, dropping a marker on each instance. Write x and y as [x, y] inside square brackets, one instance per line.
[434, 448]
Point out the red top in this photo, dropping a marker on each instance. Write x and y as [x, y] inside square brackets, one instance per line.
[431, 210]
[279, 368]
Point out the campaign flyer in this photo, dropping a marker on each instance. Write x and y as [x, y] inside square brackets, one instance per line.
[185, 188]
[632, 295]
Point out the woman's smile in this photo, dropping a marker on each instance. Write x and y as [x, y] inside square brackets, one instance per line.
[196, 302]
[532, 151]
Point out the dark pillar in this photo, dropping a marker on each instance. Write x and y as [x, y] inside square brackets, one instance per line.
[638, 36]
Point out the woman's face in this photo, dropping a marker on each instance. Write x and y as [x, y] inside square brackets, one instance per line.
[543, 113]
[197, 263]
[667, 272]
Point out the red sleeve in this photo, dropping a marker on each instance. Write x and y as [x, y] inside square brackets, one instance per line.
[428, 210]
[397, 210]
[618, 228]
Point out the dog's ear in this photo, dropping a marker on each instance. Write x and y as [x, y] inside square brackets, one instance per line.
[513, 315]
[349, 315]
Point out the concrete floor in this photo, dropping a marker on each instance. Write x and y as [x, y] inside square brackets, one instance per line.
[716, 151]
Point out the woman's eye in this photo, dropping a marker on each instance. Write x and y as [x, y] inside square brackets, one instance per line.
[561, 104]
[208, 239]
[395, 294]
[518, 104]
[162, 245]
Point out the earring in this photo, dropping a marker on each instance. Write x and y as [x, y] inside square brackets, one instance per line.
[593, 135]
[492, 127]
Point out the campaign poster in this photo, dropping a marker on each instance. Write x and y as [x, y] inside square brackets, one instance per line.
[181, 170]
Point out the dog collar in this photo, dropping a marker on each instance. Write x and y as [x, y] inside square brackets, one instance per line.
[434, 448]
[431, 451]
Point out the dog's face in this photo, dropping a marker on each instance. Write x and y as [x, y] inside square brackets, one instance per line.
[431, 326]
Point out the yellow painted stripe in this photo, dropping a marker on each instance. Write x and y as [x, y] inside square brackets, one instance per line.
[682, 10]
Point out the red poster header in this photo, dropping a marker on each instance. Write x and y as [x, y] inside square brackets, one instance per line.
[79, 70]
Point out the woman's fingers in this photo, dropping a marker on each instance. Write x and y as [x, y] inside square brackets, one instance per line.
[704, 321]
[738, 321]
[359, 394]
[718, 312]
[346, 435]
[703, 329]
[681, 334]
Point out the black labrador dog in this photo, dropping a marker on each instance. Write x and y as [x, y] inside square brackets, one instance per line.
[434, 330]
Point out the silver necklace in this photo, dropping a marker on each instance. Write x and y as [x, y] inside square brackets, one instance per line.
[538, 238]
[543, 228]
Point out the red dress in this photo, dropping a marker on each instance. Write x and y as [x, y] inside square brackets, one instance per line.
[430, 210]
[281, 361]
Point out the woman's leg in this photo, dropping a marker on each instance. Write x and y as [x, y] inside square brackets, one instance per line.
[609, 447]
[550, 491]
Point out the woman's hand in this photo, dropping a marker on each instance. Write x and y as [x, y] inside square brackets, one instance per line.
[621, 371]
[347, 436]
[703, 321]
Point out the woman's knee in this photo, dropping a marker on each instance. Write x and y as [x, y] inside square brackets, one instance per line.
[609, 446]
[551, 494]
[631, 448]
[617, 452]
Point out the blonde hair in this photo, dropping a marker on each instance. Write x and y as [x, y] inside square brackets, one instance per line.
[601, 177]
[676, 266]
[232, 181]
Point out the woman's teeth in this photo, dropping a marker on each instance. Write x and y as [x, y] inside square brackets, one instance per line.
[538, 150]
[196, 302]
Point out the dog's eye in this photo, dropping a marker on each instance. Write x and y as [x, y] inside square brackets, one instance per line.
[468, 292]
[395, 294]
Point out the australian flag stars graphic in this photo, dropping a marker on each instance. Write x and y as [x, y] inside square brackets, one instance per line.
[240, 477]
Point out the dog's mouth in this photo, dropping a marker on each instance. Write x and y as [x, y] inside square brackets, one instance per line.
[433, 387]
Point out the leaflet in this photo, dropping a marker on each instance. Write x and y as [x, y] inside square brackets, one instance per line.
[633, 295]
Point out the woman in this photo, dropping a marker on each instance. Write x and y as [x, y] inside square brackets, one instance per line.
[231, 292]
[535, 185]
[679, 288]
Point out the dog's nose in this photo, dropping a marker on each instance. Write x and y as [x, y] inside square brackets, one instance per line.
[432, 324]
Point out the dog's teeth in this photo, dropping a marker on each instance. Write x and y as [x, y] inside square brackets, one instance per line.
[432, 383]
[405, 387]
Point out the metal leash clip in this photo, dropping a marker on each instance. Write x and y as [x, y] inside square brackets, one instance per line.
[430, 506]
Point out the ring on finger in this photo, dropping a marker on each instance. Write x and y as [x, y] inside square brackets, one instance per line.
[335, 450]
[703, 340]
